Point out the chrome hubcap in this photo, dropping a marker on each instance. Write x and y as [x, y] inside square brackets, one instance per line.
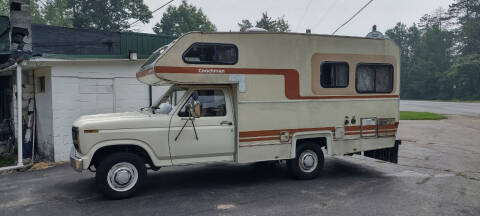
[308, 161]
[122, 176]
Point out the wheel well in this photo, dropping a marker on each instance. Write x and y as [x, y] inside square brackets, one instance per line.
[101, 153]
[322, 141]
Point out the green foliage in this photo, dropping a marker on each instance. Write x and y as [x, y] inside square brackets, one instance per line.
[182, 19]
[244, 25]
[4, 9]
[109, 15]
[58, 13]
[7, 160]
[439, 57]
[465, 74]
[36, 15]
[408, 115]
[278, 25]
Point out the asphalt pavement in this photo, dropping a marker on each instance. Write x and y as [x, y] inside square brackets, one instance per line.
[449, 108]
[438, 174]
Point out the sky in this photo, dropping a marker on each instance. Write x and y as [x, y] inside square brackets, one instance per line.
[321, 16]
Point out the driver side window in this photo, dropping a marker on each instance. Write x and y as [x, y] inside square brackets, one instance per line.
[212, 103]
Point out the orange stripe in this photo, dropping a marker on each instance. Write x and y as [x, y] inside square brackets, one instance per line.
[259, 139]
[277, 132]
[260, 133]
[370, 132]
[144, 72]
[291, 77]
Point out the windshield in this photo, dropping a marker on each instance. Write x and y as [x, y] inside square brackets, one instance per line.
[170, 100]
[155, 55]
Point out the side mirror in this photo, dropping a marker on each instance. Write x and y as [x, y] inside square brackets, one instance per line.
[194, 109]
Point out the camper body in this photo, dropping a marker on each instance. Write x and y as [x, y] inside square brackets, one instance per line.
[249, 97]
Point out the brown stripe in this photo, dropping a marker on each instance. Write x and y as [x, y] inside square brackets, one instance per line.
[291, 77]
[277, 132]
[370, 132]
[259, 139]
[144, 72]
[260, 133]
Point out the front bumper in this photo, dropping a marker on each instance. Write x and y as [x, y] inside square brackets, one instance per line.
[75, 161]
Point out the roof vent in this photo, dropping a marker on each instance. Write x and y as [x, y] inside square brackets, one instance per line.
[375, 34]
[256, 29]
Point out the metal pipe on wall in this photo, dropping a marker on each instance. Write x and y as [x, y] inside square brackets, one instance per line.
[19, 116]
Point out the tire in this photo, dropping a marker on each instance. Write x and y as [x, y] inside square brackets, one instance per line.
[308, 162]
[121, 175]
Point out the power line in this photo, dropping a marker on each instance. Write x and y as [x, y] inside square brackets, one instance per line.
[154, 11]
[335, 2]
[352, 16]
[304, 13]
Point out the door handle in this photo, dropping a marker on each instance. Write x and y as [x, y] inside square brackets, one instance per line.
[226, 123]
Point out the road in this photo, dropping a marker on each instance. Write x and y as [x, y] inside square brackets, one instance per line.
[438, 174]
[449, 108]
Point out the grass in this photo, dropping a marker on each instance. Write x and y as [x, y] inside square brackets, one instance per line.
[7, 160]
[409, 115]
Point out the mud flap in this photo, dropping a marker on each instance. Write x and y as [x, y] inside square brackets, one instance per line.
[387, 154]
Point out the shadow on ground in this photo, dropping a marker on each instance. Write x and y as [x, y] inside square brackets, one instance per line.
[192, 179]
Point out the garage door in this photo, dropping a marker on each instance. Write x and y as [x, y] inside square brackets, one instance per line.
[96, 96]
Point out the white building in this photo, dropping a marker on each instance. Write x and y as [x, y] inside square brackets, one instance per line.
[76, 72]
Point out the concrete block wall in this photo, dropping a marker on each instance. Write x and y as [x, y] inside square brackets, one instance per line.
[69, 83]
[44, 119]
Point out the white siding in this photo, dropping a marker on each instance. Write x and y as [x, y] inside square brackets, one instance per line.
[95, 96]
[130, 94]
[44, 113]
[83, 88]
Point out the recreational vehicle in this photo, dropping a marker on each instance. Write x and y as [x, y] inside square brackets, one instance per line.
[249, 97]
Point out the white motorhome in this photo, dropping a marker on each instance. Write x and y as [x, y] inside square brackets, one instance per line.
[249, 97]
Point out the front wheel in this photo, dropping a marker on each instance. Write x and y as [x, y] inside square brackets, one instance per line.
[121, 175]
[308, 161]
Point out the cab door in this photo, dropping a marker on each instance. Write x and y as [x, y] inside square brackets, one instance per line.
[208, 138]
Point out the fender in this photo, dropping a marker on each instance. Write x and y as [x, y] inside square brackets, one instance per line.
[157, 161]
[328, 135]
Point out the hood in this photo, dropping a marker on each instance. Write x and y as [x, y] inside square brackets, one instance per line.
[125, 120]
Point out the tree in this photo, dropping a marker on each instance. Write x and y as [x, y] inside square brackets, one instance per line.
[182, 19]
[267, 23]
[466, 75]
[4, 8]
[36, 15]
[244, 25]
[466, 15]
[109, 15]
[58, 13]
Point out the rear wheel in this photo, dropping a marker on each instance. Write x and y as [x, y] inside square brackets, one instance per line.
[121, 175]
[308, 162]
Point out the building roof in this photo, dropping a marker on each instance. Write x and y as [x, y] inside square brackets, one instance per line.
[73, 43]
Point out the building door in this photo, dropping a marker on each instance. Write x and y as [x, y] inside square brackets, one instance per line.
[214, 127]
[96, 96]
[5, 97]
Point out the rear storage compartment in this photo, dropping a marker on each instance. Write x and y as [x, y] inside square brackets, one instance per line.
[386, 154]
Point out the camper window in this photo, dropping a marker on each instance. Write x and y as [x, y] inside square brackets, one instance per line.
[211, 53]
[155, 55]
[374, 78]
[334, 74]
[212, 103]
